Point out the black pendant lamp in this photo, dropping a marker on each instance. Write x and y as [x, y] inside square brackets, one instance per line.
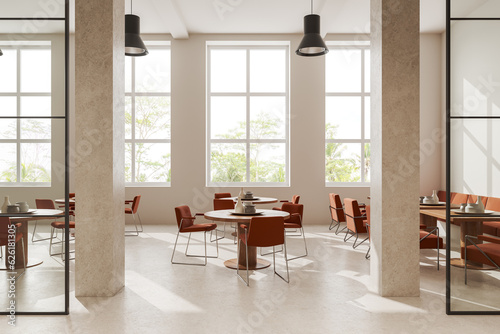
[1, 53]
[134, 46]
[312, 44]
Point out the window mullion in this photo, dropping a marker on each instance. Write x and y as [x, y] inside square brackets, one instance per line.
[18, 125]
[248, 114]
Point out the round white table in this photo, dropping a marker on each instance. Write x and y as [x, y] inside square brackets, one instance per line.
[257, 200]
[253, 262]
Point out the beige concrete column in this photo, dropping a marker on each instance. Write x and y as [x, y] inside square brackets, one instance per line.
[395, 175]
[99, 146]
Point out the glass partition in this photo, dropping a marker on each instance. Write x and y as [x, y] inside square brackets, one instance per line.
[473, 157]
[33, 160]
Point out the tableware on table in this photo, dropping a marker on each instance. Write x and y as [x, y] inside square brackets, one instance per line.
[23, 206]
[239, 206]
[257, 212]
[486, 212]
[435, 196]
[13, 208]
[422, 199]
[479, 204]
[430, 200]
[434, 204]
[249, 207]
[242, 193]
[6, 203]
[462, 207]
[248, 195]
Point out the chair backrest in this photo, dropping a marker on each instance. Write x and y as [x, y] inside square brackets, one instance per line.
[183, 211]
[71, 195]
[459, 198]
[352, 210]
[493, 204]
[441, 195]
[336, 208]
[45, 204]
[295, 199]
[222, 195]
[135, 203]
[291, 209]
[223, 204]
[368, 222]
[266, 231]
[473, 199]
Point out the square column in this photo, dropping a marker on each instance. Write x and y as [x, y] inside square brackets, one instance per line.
[395, 147]
[99, 145]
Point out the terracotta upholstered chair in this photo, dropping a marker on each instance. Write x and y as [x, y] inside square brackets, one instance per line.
[368, 226]
[430, 239]
[296, 212]
[133, 211]
[486, 253]
[6, 229]
[356, 222]
[185, 224]
[459, 198]
[441, 195]
[221, 202]
[42, 204]
[263, 232]
[295, 200]
[336, 212]
[492, 228]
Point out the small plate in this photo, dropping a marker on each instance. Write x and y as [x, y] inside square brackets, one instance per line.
[256, 213]
[437, 204]
[250, 199]
[486, 212]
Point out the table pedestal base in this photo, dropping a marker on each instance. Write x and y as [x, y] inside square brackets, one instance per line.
[233, 264]
[460, 263]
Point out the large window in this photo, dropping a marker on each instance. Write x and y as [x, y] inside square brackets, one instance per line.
[247, 115]
[25, 111]
[147, 117]
[347, 133]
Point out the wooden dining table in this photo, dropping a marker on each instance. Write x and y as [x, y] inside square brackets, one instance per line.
[23, 219]
[469, 225]
[254, 263]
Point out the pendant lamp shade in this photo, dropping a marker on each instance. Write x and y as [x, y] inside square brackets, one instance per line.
[134, 46]
[312, 44]
[1, 53]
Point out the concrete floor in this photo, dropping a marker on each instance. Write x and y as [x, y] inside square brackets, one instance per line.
[328, 293]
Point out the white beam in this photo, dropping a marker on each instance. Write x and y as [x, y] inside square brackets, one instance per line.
[169, 13]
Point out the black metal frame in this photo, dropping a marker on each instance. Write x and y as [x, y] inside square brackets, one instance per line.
[66, 157]
[449, 118]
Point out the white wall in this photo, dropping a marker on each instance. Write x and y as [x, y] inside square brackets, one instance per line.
[307, 132]
[475, 149]
[431, 133]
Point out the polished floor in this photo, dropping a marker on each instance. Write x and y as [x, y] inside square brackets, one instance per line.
[328, 293]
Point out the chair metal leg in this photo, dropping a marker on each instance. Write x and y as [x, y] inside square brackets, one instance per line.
[140, 222]
[34, 232]
[134, 233]
[223, 233]
[24, 261]
[286, 262]
[305, 246]
[191, 255]
[367, 255]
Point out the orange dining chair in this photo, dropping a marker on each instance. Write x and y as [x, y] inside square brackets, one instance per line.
[222, 204]
[222, 195]
[185, 224]
[133, 211]
[492, 228]
[42, 204]
[336, 212]
[355, 221]
[7, 230]
[56, 226]
[263, 232]
[430, 239]
[296, 212]
[295, 200]
[367, 255]
[486, 253]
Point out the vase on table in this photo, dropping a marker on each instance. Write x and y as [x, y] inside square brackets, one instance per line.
[479, 204]
[239, 206]
[435, 197]
[242, 193]
[6, 203]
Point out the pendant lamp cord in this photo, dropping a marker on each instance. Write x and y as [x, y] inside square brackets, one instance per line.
[131, 2]
[312, 5]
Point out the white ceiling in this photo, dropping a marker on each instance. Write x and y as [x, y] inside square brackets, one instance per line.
[184, 17]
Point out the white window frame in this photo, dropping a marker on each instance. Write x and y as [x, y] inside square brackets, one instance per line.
[39, 45]
[339, 45]
[132, 141]
[247, 94]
